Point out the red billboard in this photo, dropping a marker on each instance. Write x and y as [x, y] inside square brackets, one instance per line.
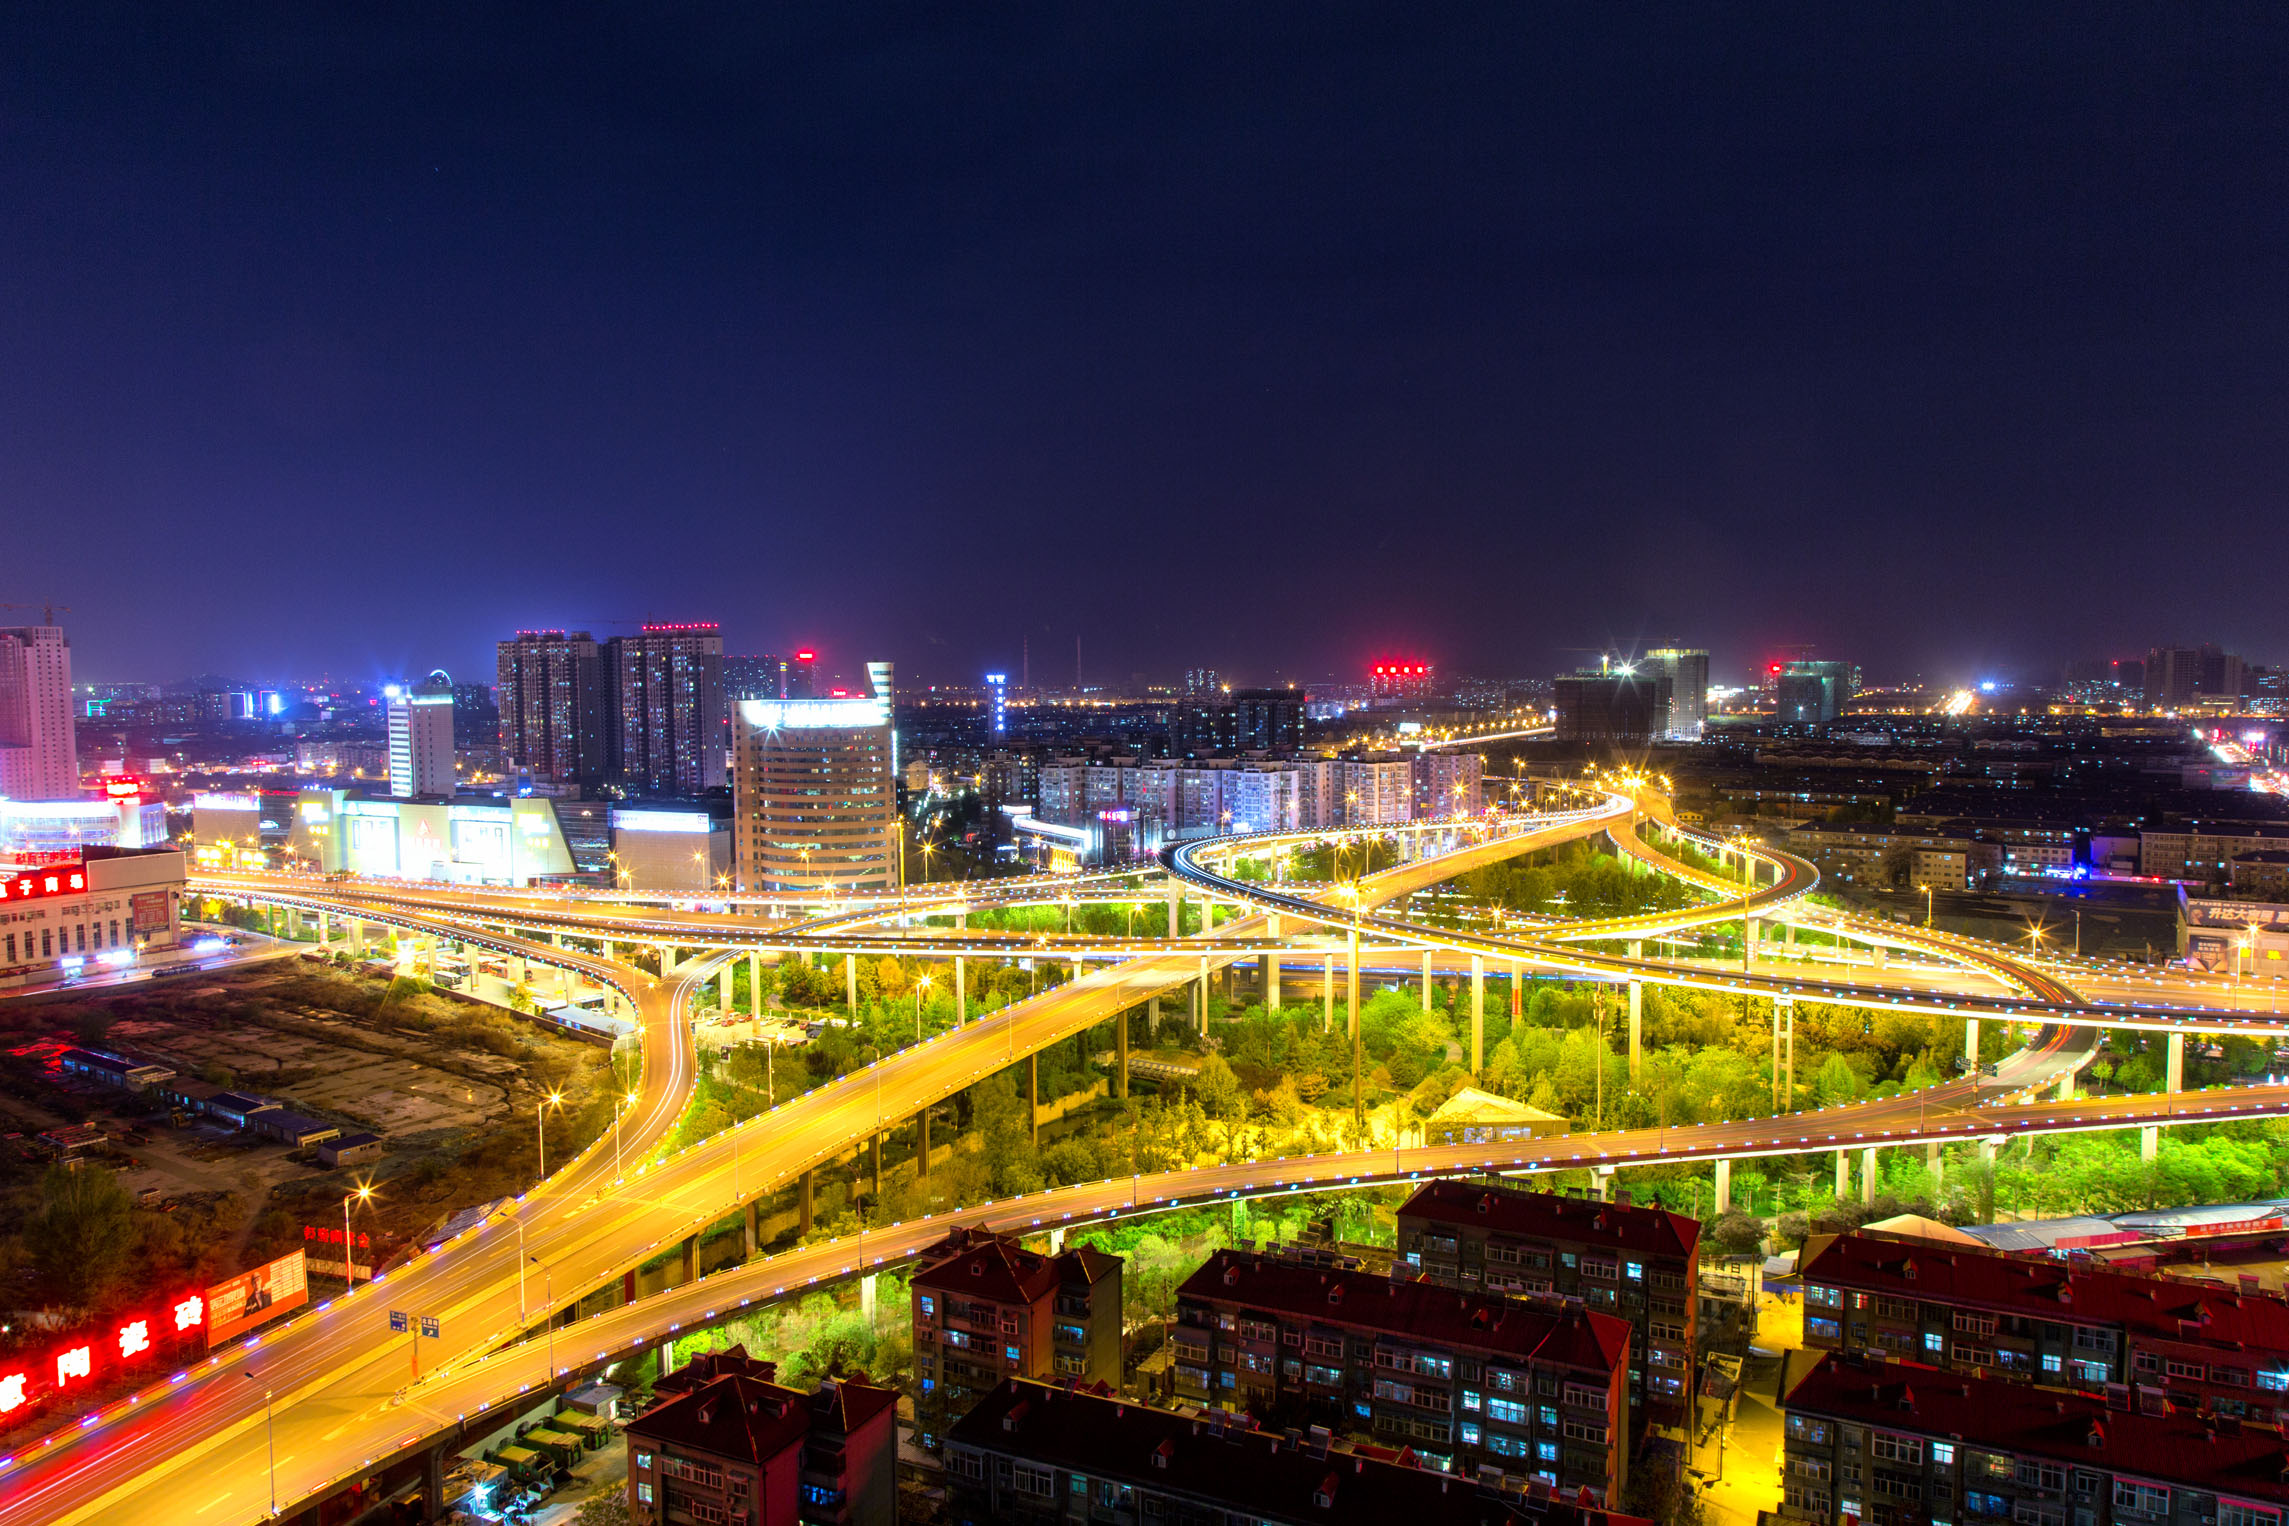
[150, 911]
[237, 1306]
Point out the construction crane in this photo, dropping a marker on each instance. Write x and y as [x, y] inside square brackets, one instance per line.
[47, 611]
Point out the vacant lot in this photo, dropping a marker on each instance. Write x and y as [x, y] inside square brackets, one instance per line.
[451, 1087]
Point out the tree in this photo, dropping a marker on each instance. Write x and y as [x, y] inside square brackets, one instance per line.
[81, 1237]
[1218, 1090]
[1737, 1233]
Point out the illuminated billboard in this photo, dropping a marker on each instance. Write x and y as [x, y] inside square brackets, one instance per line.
[237, 1306]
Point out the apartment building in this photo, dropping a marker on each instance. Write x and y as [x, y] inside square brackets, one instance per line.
[2206, 853]
[1637, 1264]
[986, 1308]
[1866, 855]
[1448, 782]
[2049, 1323]
[1377, 789]
[1466, 1380]
[741, 1450]
[1031, 1454]
[1892, 1444]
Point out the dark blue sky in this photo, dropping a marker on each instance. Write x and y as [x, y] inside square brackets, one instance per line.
[1259, 335]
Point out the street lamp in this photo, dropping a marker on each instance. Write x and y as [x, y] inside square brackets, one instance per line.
[540, 1132]
[1926, 889]
[364, 1193]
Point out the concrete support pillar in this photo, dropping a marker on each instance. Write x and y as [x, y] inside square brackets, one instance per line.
[1272, 925]
[751, 1229]
[667, 1356]
[1426, 980]
[866, 1296]
[1175, 909]
[1787, 1007]
[1271, 981]
[1201, 997]
[2177, 1066]
[874, 1164]
[1358, 1040]
[1636, 1015]
[433, 1483]
[690, 1249]
[1033, 1095]
[2149, 1144]
[1971, 1043]
[850, 983]
[755, 984]
[1351, 982]
[1121, 1054]
[1779, 1105]
[922, 1145]
[2066, 1087]
[1987, 1150]
[1601, 1182]
[1843, 1173]
[1883, 956]
[1868, 1174]
[961, 994]
[606, 953]
[803, 1202]
[1477, 1013]
[1327, 995]
[1931, 1162]
[1724, 1186]
[1748, 942]
[1517, 990]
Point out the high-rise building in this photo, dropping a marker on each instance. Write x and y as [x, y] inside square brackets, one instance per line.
[2179, 675]
[1812, 693]
[1620, 706]
[1448, 783]
[1200, 682]
[665, 731]
[39, 753]
[800, 678]
[421, 736]
[753, 677]
[816, 792]
[997, 704]
[1268, 720]
[1399, 680]
[552, 713]
[1687, 669]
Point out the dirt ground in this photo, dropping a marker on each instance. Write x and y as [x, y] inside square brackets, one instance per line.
[449, 1085]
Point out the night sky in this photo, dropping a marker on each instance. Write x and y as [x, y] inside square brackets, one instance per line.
[353, 337]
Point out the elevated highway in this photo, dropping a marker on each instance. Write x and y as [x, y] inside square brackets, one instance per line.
[336, 1376]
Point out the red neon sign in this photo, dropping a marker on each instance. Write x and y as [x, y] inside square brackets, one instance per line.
[190, 1313]
[11, 1392]
[75, 1363]
[805, 656]
[34, 884]
[134, 1338]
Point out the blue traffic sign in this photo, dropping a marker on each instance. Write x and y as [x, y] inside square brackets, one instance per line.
[397, 1321]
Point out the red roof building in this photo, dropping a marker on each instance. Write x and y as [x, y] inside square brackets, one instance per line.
[1463, 1380]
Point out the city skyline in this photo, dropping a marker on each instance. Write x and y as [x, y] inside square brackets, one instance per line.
[782, 309]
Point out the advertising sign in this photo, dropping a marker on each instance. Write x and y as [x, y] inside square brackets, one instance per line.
[150, 911]
[237, 1306]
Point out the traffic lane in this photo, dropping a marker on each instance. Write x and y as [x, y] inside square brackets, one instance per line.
[498, 1377]
[313, 1349]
